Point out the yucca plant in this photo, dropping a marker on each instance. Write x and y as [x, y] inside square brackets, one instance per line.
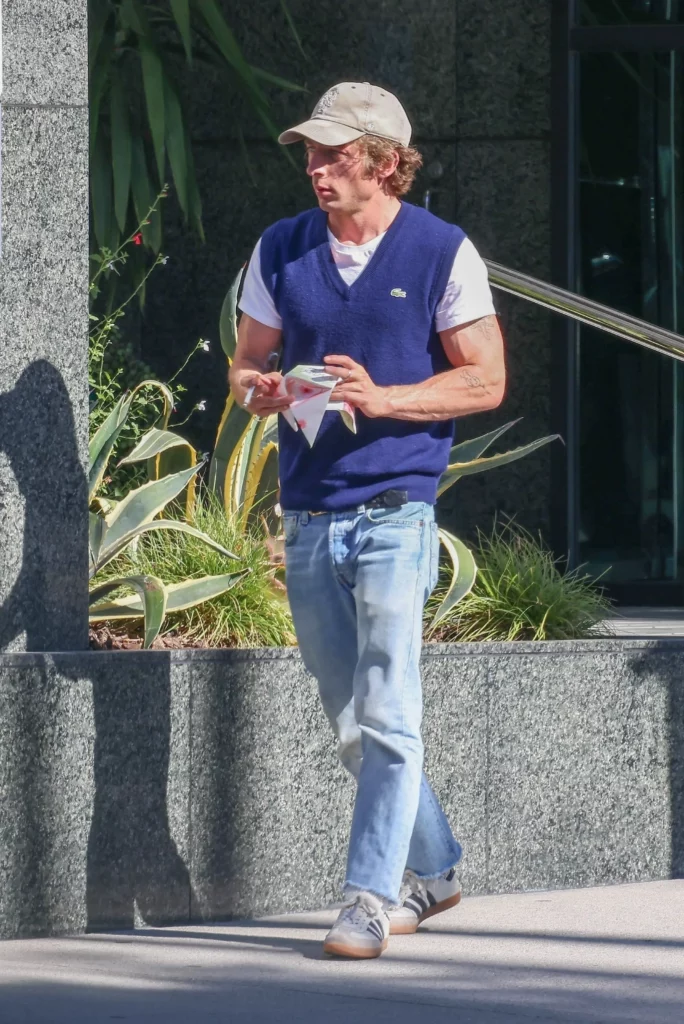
[133, 46]
[115, 526]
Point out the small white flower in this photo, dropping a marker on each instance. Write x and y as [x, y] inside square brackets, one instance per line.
[165, 260]
[110, 265]
[201, 406]
[205, 345]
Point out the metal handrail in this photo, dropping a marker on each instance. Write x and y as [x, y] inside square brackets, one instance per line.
[586, 311]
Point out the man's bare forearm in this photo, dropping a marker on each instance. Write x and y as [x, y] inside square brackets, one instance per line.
[446, 396]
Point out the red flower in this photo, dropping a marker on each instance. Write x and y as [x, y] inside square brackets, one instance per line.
[137, 239]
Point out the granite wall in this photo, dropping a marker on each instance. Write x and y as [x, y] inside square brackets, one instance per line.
[475, 78]
[165, 787]
[43, 326]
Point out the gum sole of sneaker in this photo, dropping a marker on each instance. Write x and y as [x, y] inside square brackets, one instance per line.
[353, 952]
[409, 927]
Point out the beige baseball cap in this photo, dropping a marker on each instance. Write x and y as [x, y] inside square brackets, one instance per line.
[350, 110]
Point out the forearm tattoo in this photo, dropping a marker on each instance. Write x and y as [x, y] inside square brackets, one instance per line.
[471, 380]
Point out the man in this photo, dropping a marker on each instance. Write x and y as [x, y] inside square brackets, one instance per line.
[396, 303]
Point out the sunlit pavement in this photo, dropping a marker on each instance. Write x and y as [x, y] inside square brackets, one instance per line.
[604, 954]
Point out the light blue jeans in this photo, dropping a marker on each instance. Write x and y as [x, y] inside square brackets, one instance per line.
[357, 584]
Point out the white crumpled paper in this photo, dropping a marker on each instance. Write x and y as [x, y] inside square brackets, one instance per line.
[311, 387]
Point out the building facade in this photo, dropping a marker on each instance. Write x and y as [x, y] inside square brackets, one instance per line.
[617, 193]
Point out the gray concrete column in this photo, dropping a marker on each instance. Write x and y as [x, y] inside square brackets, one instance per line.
[44, 326]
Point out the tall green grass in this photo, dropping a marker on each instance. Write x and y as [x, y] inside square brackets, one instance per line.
[521, 594]
[251, 614]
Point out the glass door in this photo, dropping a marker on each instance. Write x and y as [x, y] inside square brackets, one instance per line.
[630, 222]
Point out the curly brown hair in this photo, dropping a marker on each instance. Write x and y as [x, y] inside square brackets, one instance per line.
[378, 152]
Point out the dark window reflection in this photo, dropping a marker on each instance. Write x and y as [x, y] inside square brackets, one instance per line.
[631, 401]
[631, 12]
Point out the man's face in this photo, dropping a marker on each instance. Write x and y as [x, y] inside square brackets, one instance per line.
[339, 177]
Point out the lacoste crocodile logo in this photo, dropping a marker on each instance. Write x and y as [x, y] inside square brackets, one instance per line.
[398, 293]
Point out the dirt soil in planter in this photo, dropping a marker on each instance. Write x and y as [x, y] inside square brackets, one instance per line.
[104, 638]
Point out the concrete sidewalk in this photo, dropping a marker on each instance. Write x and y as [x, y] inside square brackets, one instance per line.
[608, 954]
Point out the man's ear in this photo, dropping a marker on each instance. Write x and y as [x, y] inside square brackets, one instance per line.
[388, 169]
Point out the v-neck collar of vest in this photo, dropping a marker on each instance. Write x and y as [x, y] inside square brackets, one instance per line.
[369, 272]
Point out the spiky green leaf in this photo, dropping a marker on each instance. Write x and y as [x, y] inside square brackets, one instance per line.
[232, 430]
[293, 27]
[463, 574]
[107, 427]
[227, 44]
[181, 12]
[96, 529]
[152, 594]
[153, 84]
[167, 398]
[180, 596]
[455, 471]
[101, 194]
[102, 444]
[99, 12]
[466, 451]
[111, 550]
[153, 443]
[141, 505]
[176, 143]
[228, 319]
[121, 151]
[99, 81]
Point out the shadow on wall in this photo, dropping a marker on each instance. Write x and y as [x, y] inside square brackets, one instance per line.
[132, 858]
[667, 667]
[49, 598]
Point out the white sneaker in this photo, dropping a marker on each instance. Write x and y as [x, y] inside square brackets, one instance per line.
[420, 898]
[361, 930]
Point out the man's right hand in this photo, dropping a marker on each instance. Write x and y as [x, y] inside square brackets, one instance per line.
[263, 400]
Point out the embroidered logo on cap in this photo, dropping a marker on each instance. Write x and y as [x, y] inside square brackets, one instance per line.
[397, 293]
[326, 101]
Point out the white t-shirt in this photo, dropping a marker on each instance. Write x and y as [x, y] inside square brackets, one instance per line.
[467, 295]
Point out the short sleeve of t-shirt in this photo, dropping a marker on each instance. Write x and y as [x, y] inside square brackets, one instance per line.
[467, 295]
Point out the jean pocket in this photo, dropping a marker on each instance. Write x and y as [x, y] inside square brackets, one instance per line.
[290, 528]
[413, 513]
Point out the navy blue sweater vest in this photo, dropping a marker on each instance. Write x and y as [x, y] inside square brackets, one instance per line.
[385, 321]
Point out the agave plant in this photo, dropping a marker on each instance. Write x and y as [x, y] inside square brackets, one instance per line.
[115, 526]
[244, 465]
[465, 459]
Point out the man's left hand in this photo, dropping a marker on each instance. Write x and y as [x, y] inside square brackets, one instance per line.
[357, 388]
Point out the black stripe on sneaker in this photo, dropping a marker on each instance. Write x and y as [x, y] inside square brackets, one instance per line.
[376, 928]
[431, 898]
[450, 875]
[416, 903]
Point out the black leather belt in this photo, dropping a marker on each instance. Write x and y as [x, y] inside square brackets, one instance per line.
[388, 499]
